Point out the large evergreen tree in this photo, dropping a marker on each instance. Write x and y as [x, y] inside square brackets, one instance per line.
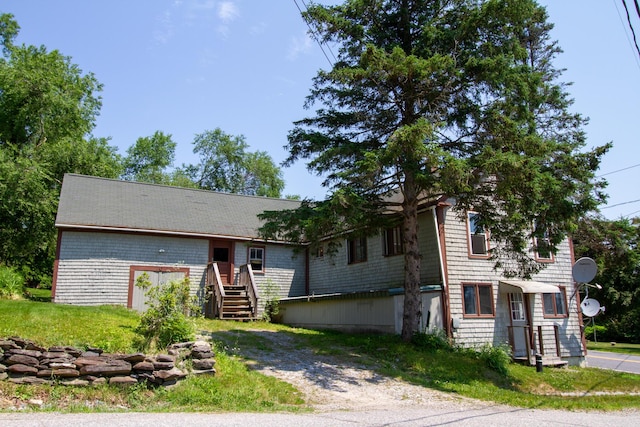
[432, 98]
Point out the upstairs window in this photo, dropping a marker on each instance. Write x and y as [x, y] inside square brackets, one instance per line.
[256, 258]
[542, 247]
[357, 250]
[555, 305]
[393, 241]
[478, 300]
[478, 238]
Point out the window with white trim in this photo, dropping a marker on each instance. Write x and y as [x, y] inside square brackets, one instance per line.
[256, 258]
[477, 237]
[542, 247]
[517, 306]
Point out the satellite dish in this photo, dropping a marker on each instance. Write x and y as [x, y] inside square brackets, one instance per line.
[590, 307]
[584, 270]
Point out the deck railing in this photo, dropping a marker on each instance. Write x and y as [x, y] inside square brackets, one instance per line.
[216, 289]
[246, 279]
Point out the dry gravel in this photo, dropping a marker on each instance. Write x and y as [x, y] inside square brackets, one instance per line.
[331, 383]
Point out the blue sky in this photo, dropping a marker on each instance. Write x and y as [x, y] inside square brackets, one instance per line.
[245, 66]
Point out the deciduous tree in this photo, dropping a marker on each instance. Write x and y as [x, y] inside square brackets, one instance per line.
[48, 108]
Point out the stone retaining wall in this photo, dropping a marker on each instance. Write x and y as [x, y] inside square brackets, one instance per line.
[24, 362]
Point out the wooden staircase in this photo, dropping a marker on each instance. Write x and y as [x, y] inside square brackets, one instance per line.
[236, 304]
[237, 301]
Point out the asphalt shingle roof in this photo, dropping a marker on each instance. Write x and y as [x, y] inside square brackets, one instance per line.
[87, 201]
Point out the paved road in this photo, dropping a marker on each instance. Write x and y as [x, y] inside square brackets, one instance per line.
[614, 361]
[481, 415]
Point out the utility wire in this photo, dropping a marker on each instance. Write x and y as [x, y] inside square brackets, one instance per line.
[626, 33]
[314, 35]
[620, 204]
[619, 170]
[635, 41]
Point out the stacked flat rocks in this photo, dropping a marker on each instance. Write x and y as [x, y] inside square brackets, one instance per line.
[24, 362]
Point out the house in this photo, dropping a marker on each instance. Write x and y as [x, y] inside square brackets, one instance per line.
[110, 232]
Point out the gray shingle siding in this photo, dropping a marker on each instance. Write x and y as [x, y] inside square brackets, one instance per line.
[93, 267]
[332, 274]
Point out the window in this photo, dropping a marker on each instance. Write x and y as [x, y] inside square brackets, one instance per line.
[320, 251]
[542, 247]
[478, 300]
[517, 306]
[256, 258]
[393, 241]
[555, 305]
[357, 250]
[477, 235]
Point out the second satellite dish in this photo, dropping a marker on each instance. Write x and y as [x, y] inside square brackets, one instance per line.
[584, 270]
[590, 307]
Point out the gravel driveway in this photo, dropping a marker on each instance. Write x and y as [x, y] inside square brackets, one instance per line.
[336, 383]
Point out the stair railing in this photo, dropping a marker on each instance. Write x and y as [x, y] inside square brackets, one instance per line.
[247, 280]
[213, 278]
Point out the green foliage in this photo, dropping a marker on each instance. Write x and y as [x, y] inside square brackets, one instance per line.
[615, 246]
[11, 283]
[48, 108]
[457, 98]
[432, 341]
[166, 319]
[147, 160]
[271, 302]
[496, 358]
[226, 166]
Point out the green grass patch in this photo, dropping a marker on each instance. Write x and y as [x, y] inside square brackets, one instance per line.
[37, 294]
[617, 348]
[236, 387]
[107, 327]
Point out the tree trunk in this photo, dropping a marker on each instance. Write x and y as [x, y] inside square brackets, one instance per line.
[411, 313]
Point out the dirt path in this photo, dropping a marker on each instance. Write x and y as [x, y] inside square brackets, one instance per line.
[332, 383]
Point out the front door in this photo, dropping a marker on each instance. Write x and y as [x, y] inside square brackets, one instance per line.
[518, 325]
[222, 254]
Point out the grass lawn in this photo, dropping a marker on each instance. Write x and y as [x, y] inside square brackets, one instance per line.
[235, 387]
[615, 347]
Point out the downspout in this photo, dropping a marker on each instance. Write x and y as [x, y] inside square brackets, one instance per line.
[445, 291]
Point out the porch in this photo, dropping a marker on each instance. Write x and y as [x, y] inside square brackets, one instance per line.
[527, 341]
[231, 301]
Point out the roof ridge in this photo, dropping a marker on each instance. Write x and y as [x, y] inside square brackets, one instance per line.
[223, 193]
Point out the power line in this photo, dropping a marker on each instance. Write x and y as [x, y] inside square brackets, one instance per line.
[620, 204]
[615, 3]
[619, 170]
[626, 9]
[314, 35]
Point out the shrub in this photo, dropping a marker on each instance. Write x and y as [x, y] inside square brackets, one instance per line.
[496, 358]
[11, 283]
[166, 319]
[432, 341]
[272, 302]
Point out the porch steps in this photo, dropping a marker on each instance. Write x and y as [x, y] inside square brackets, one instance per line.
[549, 361]
[236, 304]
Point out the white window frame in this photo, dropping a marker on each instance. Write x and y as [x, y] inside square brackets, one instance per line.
[475, 238]
[254, 254]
